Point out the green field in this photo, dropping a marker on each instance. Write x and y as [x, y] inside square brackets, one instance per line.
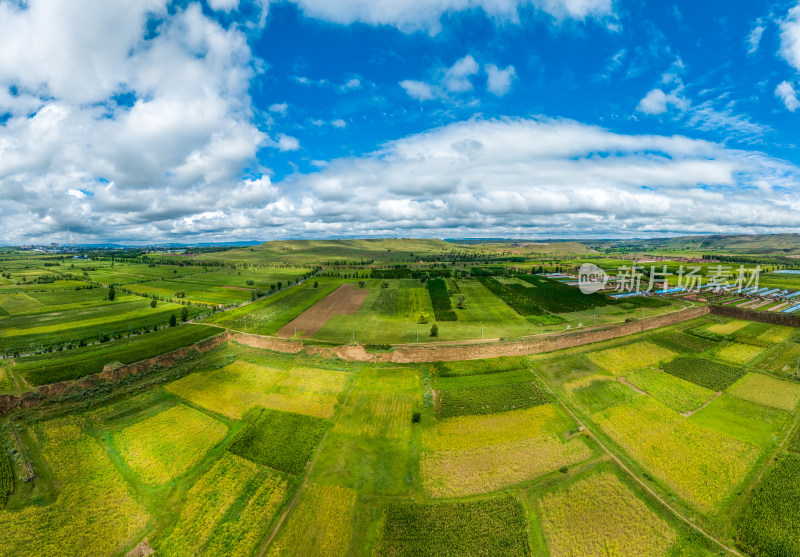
[80, 362]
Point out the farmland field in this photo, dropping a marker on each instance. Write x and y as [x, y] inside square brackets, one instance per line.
[233, 389]
[80, 362]
[598, 514]
[320, 525]
[631, 356]
[375, 447]
[502, 449]
[483, 527]
[651, 432]
[767, 391]
[165, 446]
[770, 523]
[226, 511]
[280, 440]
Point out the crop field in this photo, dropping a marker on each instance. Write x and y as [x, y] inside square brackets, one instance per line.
[781, 359]
[631, 356]
[440, 300]
[28, 332]
[80, 362]
[737, 353]
[95, 512]
[770, 524]
[235, 388]
[227, 511]
[727, 328]
[600, 516]
[346, 299]
[6, 474]
[682, 343]
[266, 317]
[481, 305]
[459, 398]
[706, 373]
[501, 450]
[165, 446]
[377, 449]
[752, 423]
[651, 433]
[767, 391]
[674, 392]
[322, 524]
[484, 527]
[279, 440]
[368, 448]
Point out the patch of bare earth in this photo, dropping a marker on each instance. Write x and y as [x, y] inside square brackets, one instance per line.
[346, 299]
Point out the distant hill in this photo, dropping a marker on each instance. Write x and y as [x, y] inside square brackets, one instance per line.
[387, 251]
[750, 244]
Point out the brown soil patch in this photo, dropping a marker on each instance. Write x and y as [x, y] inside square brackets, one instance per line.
[344, 300]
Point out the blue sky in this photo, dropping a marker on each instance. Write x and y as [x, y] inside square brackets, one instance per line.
[151, 120]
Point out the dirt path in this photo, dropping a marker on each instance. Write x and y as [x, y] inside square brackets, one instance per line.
[624, 381]
[636, 478]
[346, 299]
[709, 401]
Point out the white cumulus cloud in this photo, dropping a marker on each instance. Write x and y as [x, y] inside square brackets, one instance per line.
[785, 92]
[500, 80]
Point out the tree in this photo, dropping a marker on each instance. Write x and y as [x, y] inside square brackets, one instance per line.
[112, 294]
[385, 284]
[153, 303]
[434, 330]
[173, 320]
[185, 314]
[423, 318]
[279, 285]
[461, 302]
[361, 284]
[316, 284]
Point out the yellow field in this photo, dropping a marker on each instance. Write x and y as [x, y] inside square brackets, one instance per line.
[677, 393]
[776, 334]
[728, 328]
[322, 524]
[476, 454]
[492, 429]
[737, 353]
[702, 466]
[766, 390]
[165, 446]
[95, 512]
[599, 516]
[232, 390]
[631, 356]
[463, 472]
[207, 527]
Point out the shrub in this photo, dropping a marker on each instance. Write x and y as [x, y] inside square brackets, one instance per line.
[434, 330]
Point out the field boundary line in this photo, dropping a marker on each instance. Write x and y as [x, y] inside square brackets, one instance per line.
[306, 476]
[634, 476]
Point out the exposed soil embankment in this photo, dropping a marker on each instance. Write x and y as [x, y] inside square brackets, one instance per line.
[31, 399]
[402, 354]
[785, 319]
